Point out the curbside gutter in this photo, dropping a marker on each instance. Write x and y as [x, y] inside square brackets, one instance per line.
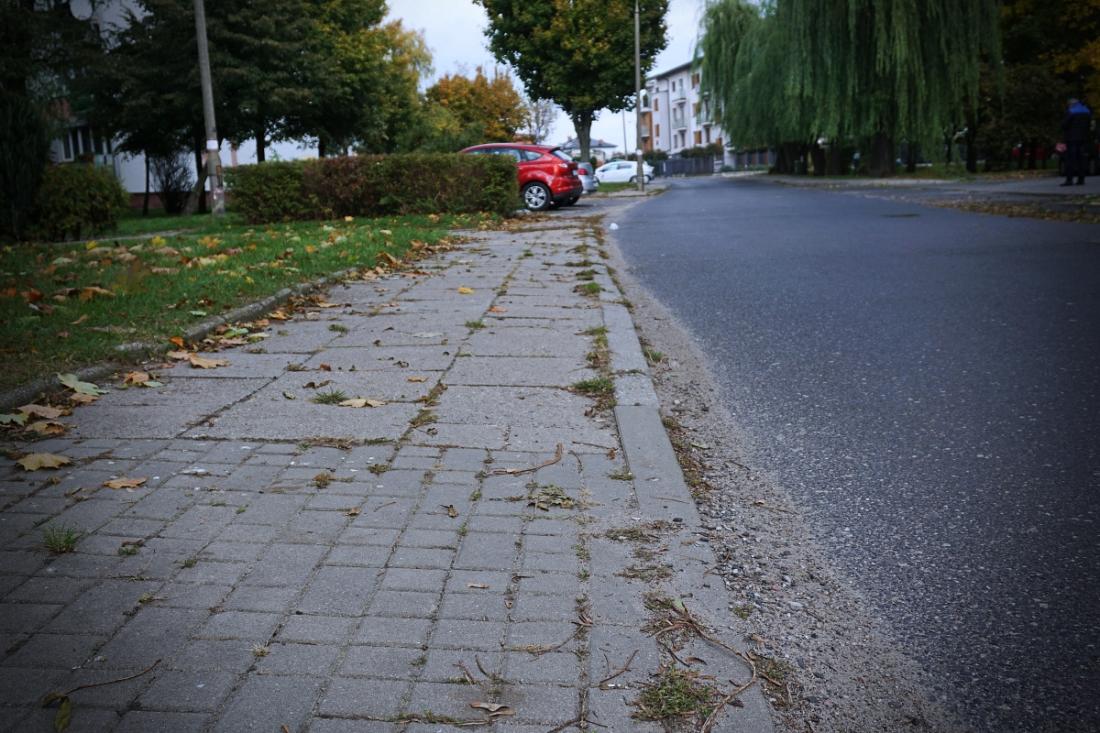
[28, 391]
[663, 494]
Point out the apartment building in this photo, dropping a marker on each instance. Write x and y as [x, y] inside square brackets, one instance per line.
[675, 114]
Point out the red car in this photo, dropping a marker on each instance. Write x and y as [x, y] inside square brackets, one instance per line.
[547, 176]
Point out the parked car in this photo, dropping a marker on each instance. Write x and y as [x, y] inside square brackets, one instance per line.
[622, 171]
[547, 176]
[588, 177]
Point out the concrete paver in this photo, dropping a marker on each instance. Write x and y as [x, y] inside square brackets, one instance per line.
[331, 568]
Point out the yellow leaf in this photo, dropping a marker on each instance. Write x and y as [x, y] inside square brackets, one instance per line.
[42, 411]
[157, 241]
[48, 427]
[124, 483]
[466, 291]
[78, 398]
[199, 362]
[136, 378]
[361, 402]
[349, 218]
[91, 245]
[36, 461]
[418, 379]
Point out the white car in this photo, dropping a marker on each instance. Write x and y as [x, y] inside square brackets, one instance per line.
[622, 171]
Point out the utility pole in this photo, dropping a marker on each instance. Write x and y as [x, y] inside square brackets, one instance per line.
[640, 175]
[213, 160]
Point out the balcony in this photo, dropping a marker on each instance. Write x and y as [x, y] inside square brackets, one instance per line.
[645, 130]
[679, 121]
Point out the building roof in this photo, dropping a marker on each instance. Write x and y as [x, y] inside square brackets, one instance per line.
[594, 143]
[670, 72]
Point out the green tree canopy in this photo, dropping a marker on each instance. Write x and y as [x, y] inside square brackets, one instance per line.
[867, 71]
[578, 53]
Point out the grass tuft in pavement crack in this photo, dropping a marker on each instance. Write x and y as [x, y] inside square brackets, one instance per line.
[677, 694]
[330, 397]
[60, 539]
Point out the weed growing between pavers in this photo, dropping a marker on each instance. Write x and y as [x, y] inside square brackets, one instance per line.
[329, 397]
[60, 539]
[677, 694]
[544, 497]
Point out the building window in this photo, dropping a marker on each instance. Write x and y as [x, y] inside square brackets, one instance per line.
[695, 80]
[68, 152]
[707, 130]
[698, 137]
[695, 108]
[656, 104]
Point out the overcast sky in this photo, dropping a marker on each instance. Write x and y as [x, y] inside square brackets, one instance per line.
[454, 31]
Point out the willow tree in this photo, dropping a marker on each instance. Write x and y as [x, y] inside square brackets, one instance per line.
[868, 71]
[578, 53]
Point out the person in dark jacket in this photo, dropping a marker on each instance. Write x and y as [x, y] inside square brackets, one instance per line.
[1076, 129]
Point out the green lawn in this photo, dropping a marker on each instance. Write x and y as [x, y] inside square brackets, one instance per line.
[133, 223]
[67, 306]
[613, 187]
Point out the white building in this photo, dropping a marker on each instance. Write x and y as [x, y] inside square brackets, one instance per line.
[676, 116]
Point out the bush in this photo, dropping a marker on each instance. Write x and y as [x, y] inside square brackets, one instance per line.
[24, 150]
[77, 200]
[374, 185]
[172, 174]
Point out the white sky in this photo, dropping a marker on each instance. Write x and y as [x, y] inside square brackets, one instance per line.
[454, 31]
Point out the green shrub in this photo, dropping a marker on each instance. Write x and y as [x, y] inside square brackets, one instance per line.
[374, 185]
[24, 150]
[270, 192]
[77, 200]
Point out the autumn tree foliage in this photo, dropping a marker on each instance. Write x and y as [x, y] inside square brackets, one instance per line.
[578, 53]
[489, 105]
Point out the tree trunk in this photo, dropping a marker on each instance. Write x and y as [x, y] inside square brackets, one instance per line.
[582, 123]
[261, 145]
[971, 149]
[880, 156]
[145, 200]
[196, 202]
[321, 146]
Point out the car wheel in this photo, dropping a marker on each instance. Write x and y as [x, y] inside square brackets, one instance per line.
[536, 197]
[634, 179]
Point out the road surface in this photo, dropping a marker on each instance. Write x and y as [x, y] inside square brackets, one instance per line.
[926, 383]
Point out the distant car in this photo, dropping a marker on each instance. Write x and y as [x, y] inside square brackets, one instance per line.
[547, 176]
[623, 171]
[588, 178]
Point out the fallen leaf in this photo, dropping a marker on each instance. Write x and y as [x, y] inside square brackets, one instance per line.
[418, 379]
[80, 320]
[199, 362]
[179, 355]
[136, 378]
[42, 411]
[494, 709]
[451, 511]
[351, 513]
[92, 291]
[72, 382]
[465, 291]
[361, 402]
[178, 341]
[198, 314]
[36, 461]
[317, 385]
[278, 315]
[48, 427]
[124, 483]
[498, 309]
[324, 367]
[14, 419]
[326, 304]
[479, 586]
[290, 395]
[82, 399]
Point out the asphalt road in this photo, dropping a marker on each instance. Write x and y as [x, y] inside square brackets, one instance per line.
[926, 384]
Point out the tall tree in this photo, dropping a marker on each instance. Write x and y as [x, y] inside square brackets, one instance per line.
[869, 71]
[578, 53]
[540, 119]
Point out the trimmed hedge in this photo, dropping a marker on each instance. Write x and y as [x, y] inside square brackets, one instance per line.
[374, 185]
[77, 200]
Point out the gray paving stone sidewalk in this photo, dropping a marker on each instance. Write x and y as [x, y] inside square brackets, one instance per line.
[289, 565]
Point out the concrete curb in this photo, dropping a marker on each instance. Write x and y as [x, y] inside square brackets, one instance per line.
[29, 391]
[663, 494]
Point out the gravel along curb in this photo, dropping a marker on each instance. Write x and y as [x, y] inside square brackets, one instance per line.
[663, 495]
[27, 392]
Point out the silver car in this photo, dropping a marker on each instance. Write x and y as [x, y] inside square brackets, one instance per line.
[588, 177]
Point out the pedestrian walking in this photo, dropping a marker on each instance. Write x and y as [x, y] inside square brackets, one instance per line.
[1076, 131]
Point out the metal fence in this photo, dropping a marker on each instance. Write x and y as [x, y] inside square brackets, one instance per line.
[701, 166]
